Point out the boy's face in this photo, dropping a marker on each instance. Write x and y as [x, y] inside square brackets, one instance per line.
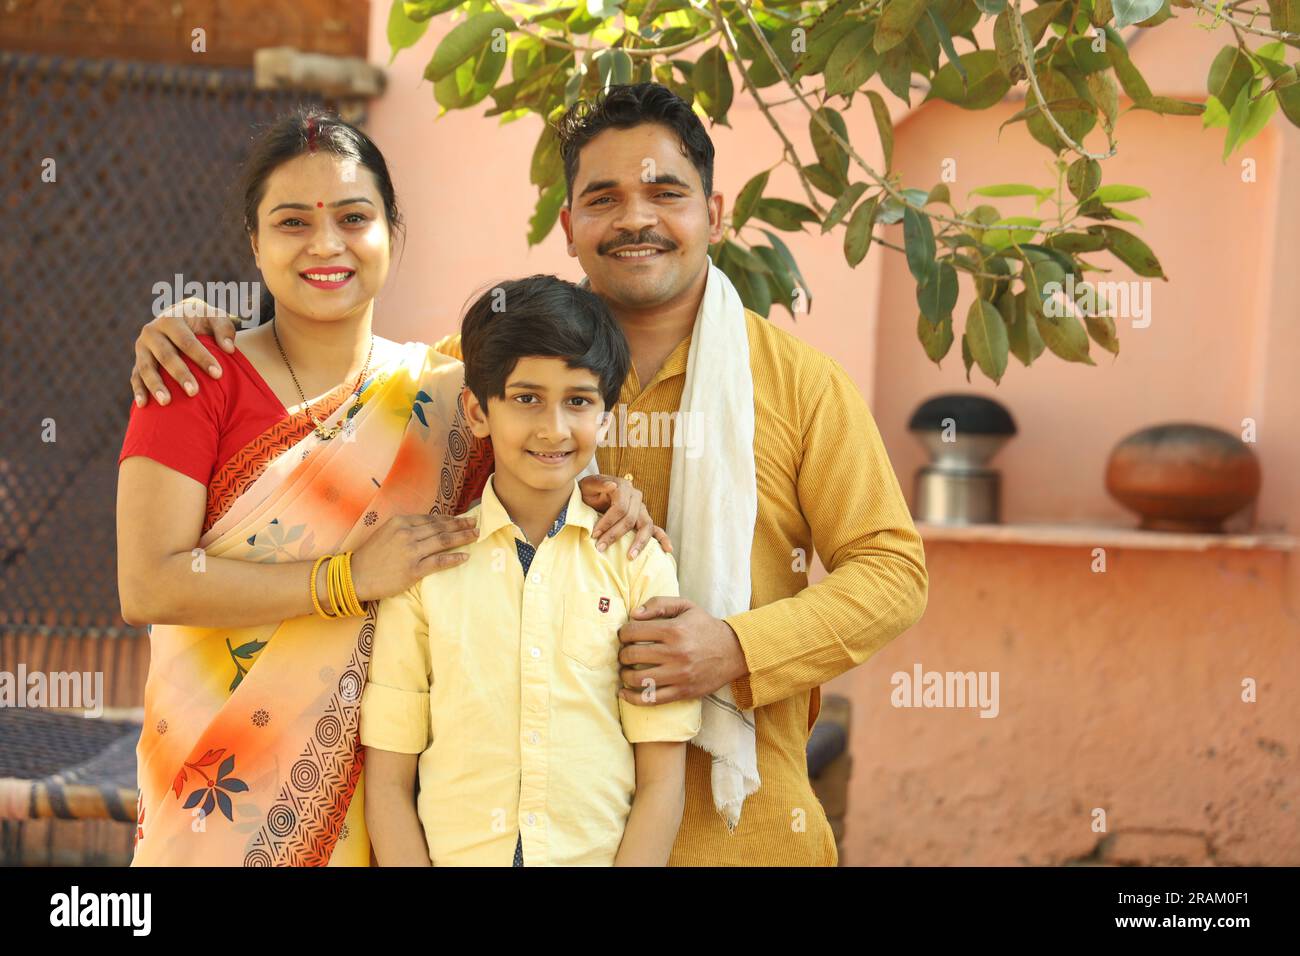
[547, 427]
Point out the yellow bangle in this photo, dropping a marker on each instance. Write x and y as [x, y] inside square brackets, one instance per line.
[334, 597]
[353, 603]
[315, 598]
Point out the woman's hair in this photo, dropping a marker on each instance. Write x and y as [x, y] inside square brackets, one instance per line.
[541, 315]
[310, 130]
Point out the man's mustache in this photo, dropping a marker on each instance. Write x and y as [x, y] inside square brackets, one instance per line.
[651, 240]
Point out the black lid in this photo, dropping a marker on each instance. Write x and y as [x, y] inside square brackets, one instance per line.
[974, 415]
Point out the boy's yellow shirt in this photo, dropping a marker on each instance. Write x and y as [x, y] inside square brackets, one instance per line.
[508, 690]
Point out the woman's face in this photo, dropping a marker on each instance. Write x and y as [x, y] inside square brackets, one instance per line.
[322, 241]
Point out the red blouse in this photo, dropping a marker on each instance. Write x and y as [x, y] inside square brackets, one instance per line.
[197, 436]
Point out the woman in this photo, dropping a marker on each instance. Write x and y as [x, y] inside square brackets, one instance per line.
[229, 503]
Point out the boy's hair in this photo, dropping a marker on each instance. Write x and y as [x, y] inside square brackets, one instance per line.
[625, 106]
[546, 316]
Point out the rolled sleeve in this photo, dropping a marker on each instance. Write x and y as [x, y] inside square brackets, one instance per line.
[395, 703]
[646, 723]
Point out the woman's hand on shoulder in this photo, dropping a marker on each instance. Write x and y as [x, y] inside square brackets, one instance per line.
[405, 549]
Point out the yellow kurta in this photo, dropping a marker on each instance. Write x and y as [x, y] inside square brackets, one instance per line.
[825, 483]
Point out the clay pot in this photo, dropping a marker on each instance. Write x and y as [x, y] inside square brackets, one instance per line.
[1183, 476]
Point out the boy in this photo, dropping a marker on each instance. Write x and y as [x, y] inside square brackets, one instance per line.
[497, 680]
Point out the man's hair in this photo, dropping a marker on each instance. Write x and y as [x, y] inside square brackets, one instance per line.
[544, 316]
[624, 107]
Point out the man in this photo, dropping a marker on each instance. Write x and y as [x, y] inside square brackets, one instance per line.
[640, 217]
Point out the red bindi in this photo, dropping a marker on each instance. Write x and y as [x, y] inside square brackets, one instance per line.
[319, 204]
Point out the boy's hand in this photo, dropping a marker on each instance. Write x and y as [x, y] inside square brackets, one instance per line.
[175, 329]
[624, 509]
[691, 653]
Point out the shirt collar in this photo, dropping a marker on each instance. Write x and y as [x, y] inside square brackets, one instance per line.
[493, 515]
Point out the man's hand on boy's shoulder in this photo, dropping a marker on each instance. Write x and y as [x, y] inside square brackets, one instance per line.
[691, 652]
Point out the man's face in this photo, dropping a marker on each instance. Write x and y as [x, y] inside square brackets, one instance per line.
[636, 192]
[546, 429]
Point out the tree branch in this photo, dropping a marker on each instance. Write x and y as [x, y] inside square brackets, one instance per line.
[1244, 27]
[725, 29]
[1027, 61]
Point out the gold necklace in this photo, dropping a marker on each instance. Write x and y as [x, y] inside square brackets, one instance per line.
[323, 433]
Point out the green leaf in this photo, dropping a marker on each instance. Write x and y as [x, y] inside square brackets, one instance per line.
[747, 198]
[1083, 177]
[1258, 114]
[852, 62]
[472, 81]
[1129, 77]
[987, 84]
[1106, 95]
[986, 336]
[403, 32]
[1075, 121]
[884, 126]
[945, 41]
[830, 154]
[1002, 233]
[546, 166]
[421, 11]
[1010, 189]
[464, 40]
[781, 283]
[896, 22]
[936, 337]
[1065, 336]
[821, 43]
[1230, 71]
[1131, 250]
[1169, 106]
[783, 251]
[1117, 192]
[896, 73]
[918, 239]
[1022, 331]
[711, 80]
[992, 289]
[967, 359]
[818, 175]
[1004, 45]
[1069, 242]
[857, 238]
[1289, 99]
[1037, 20]
[546, 212]
[842, 206]
[614, 68]
[937, 296]
[1133, 11]
[750, 283]
[784, 214]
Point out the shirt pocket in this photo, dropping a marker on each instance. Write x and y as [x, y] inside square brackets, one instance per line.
[590, 632]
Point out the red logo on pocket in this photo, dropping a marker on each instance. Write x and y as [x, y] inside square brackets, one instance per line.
[604, 605]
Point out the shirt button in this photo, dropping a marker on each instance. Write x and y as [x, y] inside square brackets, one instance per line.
[628, 476]
[535, 651]
[534, 737]
[531, 819]
[538, 577]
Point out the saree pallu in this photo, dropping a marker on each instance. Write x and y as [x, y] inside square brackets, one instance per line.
[249, 754]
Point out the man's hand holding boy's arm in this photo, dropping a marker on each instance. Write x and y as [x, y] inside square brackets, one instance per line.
[657, 806]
